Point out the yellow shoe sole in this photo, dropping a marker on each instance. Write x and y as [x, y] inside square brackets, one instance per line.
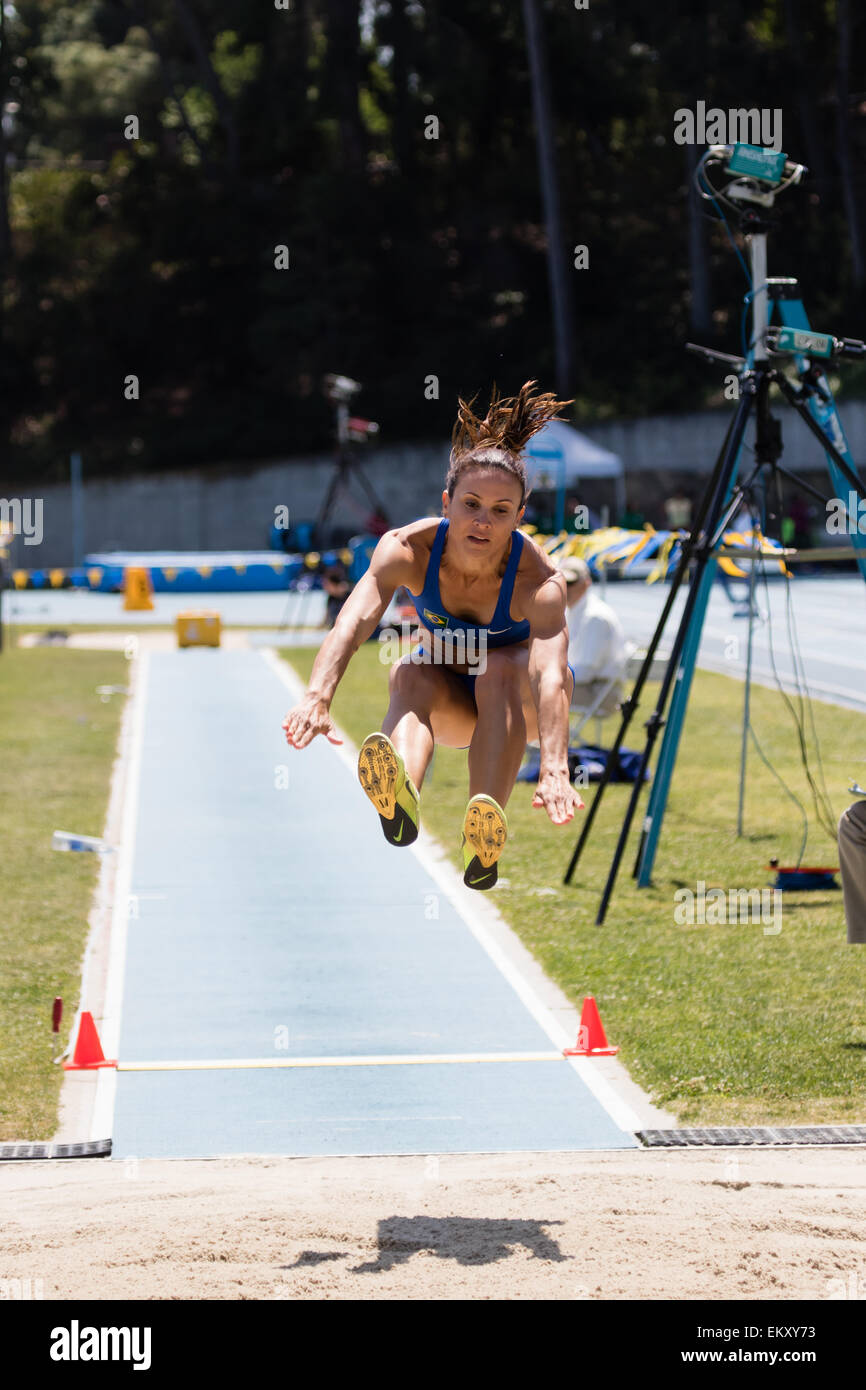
[384, 779]
[485, 831]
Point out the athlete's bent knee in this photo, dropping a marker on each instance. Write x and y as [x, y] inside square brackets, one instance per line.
[408, 677]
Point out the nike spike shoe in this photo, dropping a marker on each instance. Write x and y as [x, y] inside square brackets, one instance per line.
[485, 831]
[384, 778]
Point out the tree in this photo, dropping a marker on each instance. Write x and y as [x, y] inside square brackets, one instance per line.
[558, 270]
[849, 196]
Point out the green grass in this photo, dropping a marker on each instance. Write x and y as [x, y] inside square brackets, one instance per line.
[130, 629]
[720, 1024]
[57, 745]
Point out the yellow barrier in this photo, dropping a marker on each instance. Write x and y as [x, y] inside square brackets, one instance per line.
[198, 629]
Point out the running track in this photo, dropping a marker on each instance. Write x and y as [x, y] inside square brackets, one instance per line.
[830, 621]
[271, 923]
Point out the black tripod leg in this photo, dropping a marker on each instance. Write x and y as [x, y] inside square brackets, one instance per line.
[738, 497]
[655, 720]
[368, 488]
[757, 398]
[325, 509]
[793, 399]
[715, 499]
[630, 705]
[801, 483]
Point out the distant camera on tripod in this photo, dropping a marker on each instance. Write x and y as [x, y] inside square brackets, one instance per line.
[340, 388]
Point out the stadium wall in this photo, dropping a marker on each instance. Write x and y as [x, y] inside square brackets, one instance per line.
[231, 506]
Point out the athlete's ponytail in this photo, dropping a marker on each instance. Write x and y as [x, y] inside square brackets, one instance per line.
[499, 439]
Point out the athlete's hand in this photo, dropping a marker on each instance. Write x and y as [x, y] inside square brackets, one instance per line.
[307, 719]
[557, 796]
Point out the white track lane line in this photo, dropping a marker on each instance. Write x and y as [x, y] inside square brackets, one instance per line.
[102, 1123]
[472, 913]
[257, 1063]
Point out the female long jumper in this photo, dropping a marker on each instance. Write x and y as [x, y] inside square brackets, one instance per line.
[485, 592]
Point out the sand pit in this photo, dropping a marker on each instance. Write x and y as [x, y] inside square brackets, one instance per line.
[723, 1224]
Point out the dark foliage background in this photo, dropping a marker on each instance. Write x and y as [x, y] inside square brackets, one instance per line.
[408, 256]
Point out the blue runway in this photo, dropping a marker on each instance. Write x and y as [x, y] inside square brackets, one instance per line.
[268, 930]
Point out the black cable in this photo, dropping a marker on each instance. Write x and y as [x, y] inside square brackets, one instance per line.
[797, 724]
[819, 793]
[800, 807]
[757, 526]
[822, 809]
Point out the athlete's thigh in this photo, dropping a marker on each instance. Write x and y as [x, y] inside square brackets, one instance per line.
[438, 693]
[519, 654]
[518, 657]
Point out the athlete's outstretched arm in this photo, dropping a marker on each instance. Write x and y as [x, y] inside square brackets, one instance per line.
[548, 679]
[390, 566]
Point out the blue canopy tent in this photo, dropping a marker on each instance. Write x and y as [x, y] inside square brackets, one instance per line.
[559, 457]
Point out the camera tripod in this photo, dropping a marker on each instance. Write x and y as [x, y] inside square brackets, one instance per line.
[339, 390]
[722, 499]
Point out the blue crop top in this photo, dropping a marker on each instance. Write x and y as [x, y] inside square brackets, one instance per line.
[503, 630]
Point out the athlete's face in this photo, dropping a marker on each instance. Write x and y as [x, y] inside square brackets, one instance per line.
[484, 510]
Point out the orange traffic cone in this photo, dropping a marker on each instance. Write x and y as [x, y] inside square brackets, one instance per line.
[88, 1049]
[591, 1040]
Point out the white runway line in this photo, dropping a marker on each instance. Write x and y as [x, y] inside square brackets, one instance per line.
[472, 913]
[102, 1123]
[409, 1060]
